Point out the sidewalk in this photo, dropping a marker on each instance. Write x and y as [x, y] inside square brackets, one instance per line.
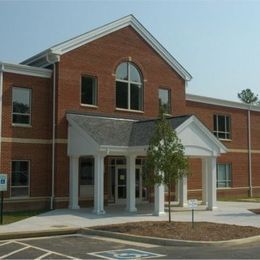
[227, 212]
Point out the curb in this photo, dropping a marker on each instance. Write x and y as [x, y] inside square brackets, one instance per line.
[40, 233]
[167, 242]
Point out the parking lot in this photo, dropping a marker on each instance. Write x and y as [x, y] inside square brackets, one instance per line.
[87, 247]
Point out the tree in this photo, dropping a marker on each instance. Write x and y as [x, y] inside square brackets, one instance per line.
[248, 97]
[165, 162]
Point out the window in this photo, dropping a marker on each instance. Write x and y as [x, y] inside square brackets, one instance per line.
[20, 178]
[21, 99]
[165, 100]
[222, 125]
[86, 171]
[88, 90]
[223, 175]
[129, 87]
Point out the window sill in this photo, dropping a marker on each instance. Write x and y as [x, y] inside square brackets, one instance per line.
[225, 140]
[224, 188]
[130, 110]
[21, 125]
[87, 105]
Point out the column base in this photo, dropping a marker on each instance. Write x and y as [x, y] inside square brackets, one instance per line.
[74, 207]
[99, 212]
[131, 210]
[183, 205]
[160, 213]
[212, 208]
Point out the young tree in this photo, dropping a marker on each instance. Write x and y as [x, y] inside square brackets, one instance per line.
[165, 162]
[248, 97]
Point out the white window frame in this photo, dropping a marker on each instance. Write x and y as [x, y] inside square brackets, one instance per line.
[226, 181]
[24, 114]
[129, 82]
[227, 132]
[29, 179]
[96, 91]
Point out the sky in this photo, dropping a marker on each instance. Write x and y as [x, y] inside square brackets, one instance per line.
[217, 41]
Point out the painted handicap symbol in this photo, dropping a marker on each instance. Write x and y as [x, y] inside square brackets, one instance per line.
[127, 253]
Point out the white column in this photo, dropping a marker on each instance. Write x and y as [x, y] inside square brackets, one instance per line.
[130, 180]
[183, 192]
[212, 179]
[204, 168]
[159, 200]
[99, 185]
[74, 183]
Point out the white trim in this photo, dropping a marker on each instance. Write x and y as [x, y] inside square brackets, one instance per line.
[32, 141]
[25, 70]
[99, 32]
[221, 102]
[129, 110]
[212, 137]
[1, 102]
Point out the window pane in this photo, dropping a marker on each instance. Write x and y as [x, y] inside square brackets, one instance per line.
[21, 100]
[121, 95]
[221, 123]
[215, 123]
[86, 171]
[122, 71]
[221, 172]
[20, 177]
[136, 97]
[227, 123]
[164, 100]
[88, 90]
[21, 119]
[21, 105]
[134, 74]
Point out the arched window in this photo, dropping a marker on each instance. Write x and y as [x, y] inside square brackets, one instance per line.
[129, 87]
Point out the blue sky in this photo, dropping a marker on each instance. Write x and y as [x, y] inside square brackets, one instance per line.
[217, 41]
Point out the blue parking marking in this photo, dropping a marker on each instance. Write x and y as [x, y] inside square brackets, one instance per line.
[128, 253]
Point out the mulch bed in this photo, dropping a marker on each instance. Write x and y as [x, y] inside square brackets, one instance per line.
[202, 231]
[256, 211]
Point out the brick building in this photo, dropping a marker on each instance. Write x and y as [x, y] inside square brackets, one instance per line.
[77, 117]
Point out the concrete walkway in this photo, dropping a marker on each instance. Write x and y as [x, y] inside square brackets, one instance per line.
[227, 212]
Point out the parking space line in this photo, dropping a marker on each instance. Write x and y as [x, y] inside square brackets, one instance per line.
[45, 250]
[44, 255]
[126, 242]
[14, 252]
[6, 243]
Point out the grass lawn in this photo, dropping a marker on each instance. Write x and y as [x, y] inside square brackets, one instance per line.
[11, 217]
[240, 199]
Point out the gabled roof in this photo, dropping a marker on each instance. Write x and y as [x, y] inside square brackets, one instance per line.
[44, 58]
[120, 132]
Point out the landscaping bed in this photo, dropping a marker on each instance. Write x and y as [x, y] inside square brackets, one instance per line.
[202, 231]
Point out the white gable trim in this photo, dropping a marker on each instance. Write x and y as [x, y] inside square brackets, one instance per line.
[222, 148]
[90, 36]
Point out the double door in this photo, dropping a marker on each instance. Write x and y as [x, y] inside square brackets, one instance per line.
[119, 185]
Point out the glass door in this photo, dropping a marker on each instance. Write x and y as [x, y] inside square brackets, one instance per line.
[120, 191]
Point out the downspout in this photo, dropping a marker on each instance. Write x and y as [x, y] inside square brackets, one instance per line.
[249, 152]
[1, 103]
[53, 58]
[53, 137]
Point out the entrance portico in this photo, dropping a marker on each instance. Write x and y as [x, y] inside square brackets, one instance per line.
[99, 137]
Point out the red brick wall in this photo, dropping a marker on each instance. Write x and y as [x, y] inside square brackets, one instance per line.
[41, 107]
[100, 58]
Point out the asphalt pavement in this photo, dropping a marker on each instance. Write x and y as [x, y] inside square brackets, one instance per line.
[88, 247]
